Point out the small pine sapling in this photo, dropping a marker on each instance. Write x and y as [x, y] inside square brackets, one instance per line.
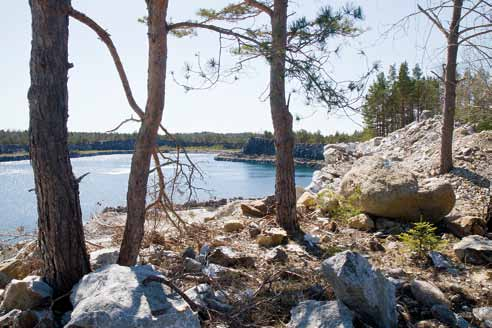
[421, 239]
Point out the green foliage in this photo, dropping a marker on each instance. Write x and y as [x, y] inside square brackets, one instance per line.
[347, 206]
[421, 238]
[474, 99]
[307, 52]
[303, 136]
[398, 99]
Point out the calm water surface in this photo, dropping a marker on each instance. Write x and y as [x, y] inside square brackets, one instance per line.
[107, 182]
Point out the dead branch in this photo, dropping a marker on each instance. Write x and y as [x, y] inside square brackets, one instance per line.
[79, 179]
[131, 119]
[160, 279]
[434, 19]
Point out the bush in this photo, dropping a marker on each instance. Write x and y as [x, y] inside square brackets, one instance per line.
[338, 206]
[421, 239]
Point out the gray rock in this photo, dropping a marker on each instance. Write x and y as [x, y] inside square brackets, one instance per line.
[276, 255]
[189, 252]
[440, 261]
[227, 257]
[28, 293]
[428, 293]
[103, 257]
[484, 314]
[474, 249]
[363, 290]
[445, 315]
[191, 265]
[313, 314]
[115, 296]
[216, 271]
[204, 296]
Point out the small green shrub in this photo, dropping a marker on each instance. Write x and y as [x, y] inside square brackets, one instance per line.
[346, 208]
[421, 238]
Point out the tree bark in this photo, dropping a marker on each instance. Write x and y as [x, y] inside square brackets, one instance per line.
[450, 81]
[285, 193]
[147, 135]
[61, 234]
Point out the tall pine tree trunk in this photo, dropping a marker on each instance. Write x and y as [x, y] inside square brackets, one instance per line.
[61, 235]
[450, 82]
[147, 136]
[285, 193]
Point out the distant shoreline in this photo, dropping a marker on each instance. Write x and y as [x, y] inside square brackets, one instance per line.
[264, 159]
[191, 150]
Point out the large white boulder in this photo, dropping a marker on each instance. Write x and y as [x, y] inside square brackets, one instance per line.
[388, 189]
[115, 296]
[28, 293]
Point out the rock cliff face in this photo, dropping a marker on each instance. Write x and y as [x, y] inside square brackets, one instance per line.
[263, 146]
[259, 146]
[11, 149]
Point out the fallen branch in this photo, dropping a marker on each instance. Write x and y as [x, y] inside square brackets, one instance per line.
[160, 279]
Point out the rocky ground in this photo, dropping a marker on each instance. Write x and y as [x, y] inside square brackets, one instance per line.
[231, 266]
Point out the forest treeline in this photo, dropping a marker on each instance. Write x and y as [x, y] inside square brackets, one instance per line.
[399, 97]
[234, 140]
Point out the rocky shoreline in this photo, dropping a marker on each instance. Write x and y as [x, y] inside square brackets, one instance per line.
[262, 151]
[264, 159]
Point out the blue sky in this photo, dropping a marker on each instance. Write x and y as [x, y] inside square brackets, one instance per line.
[97, 101]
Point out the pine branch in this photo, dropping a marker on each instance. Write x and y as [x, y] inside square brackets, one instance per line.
[191, 25]
[260, 6]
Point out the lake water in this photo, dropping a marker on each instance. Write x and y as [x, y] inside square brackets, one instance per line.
[107, 183]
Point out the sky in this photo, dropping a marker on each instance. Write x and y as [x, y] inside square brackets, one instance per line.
[97, 101]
